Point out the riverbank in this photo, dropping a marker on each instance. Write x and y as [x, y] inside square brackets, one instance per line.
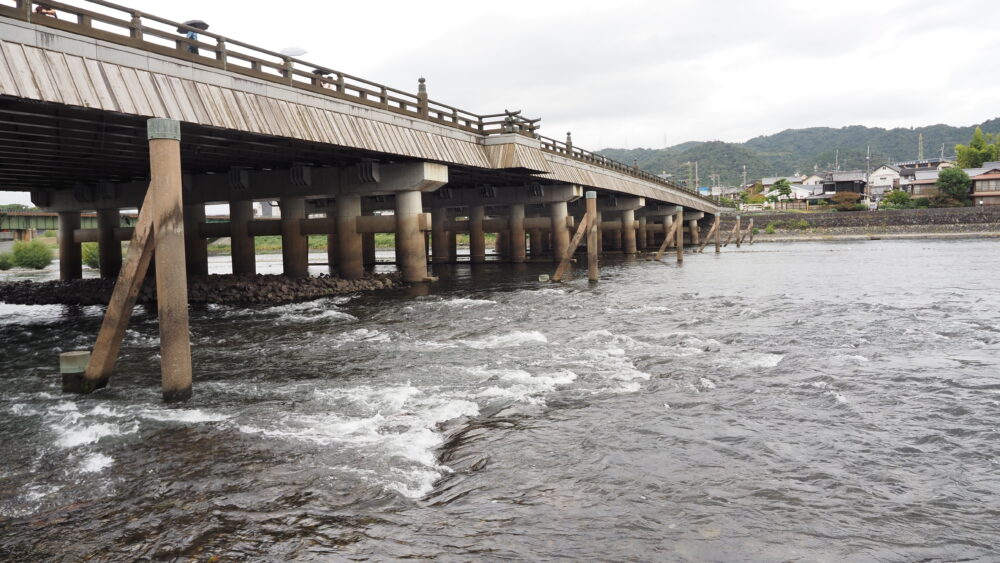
[219, 289]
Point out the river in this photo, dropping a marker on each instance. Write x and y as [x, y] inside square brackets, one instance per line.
[810, 401]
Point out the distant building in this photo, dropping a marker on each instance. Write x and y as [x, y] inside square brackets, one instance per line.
[846, 182]
[812, 180]
[986, 186]
[883, 179]
[768, 182]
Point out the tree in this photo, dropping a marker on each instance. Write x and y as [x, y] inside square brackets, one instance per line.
[13, 207]
[897, 198]
[34, 254]
[784, 187]
[954, 183]
[845, 200]
[982, 148]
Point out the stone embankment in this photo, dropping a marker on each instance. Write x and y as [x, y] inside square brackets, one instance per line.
[903, 223]
[213, 289]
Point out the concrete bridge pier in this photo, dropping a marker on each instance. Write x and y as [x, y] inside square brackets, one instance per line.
[244, 254]
[535, 244]
[350, 251]
[629, 243]
[641, 240]
[70, 251]
[558, 211]
[439, 236]
[294, 244]
[452, 246]
[477, 238]
[412, 256]
[331, 247]
[195, 246]
[518, 248]
[109, 247]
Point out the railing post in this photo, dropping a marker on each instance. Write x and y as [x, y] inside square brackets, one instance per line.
[220, 50]
[135, 28]
[25, 8]
[340, 83]
[422, 97]
[289, 70]
[569, 143]
[383, 96]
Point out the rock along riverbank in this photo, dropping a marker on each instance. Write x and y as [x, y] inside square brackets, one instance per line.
[212, 289]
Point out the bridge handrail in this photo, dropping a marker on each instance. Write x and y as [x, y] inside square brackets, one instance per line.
[243, 58]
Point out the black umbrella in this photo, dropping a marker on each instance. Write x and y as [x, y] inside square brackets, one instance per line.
[193, 23]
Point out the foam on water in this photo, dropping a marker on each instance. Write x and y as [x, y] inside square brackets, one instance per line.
[187, 416]
[95, 463]
[509, 340]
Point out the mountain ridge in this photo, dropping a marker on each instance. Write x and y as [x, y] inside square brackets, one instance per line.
[799, 150]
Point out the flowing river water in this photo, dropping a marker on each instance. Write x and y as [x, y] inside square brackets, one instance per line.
[809, 401]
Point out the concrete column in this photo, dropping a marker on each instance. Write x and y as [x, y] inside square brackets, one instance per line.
[628, 232]
[241, 242]
[500, 246]
[518, 249]
[439, 238]
[536, 243]
[560, 234]
[368, 257]
[412, 258]
[452, 246]
[350, 254]
[70, 253]
[294, 244]
[617, 237]
[195, 247]
[331, 248]
[477, 238]
[642, 240]
[695, 234]
[109, 248]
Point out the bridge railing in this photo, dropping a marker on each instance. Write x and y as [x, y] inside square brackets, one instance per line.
[126, 26]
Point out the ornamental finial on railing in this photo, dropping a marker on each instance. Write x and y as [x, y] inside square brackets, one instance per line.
[422, 105]
[569, 142]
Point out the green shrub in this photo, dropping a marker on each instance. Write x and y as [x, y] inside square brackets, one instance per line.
[6, 261]
[91, 254]
[770, 228]
[49, 234]
[35, 254]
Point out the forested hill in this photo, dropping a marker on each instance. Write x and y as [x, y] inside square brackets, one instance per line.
[799, 150]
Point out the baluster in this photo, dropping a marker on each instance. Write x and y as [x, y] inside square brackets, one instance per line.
[383, 96]
[340, 83]
[135, 27]
[220, 50]
[422, 97]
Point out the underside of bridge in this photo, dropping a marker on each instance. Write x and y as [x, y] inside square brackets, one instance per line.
[47, 146]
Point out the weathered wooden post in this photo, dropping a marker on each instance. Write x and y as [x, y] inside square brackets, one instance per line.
[171, 269]
[713, 231]
[593, 240]
[718, 233]
[750, 230]
[679, 221]
[161, 219]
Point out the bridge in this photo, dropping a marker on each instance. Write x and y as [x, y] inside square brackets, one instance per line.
[343, 156]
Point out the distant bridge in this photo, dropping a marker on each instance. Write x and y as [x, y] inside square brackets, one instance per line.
[75, 93]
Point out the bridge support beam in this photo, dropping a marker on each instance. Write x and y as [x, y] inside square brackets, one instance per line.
[477, 237]
[695, 232]
[350, 255]
[412, 255]
[518, 248]
[452, 246]
[642, 239]
[535, 246]
[439, 237]
[109, 248]
[558, 211]
[244, 253]
[195, 247]
[294, 244]
[70, 252]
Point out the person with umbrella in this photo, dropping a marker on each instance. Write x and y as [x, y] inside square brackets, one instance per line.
[192, 34]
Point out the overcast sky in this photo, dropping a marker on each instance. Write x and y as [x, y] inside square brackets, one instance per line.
[636, 73]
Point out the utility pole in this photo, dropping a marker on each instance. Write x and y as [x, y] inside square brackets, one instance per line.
[920, 146]
[836, 165]
[744, 176]
[697, 180]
